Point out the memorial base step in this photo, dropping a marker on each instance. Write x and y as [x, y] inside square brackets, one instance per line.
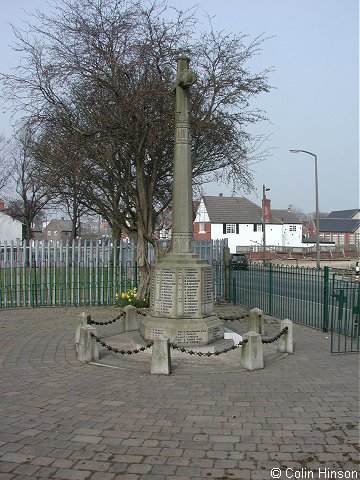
[183, 331]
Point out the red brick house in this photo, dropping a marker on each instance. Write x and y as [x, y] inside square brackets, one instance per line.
[341, 227]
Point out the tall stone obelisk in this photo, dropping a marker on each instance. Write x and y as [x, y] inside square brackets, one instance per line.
[182, 297]
[182, 203]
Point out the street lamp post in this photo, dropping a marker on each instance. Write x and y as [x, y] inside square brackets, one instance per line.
[316, 205]
[263, 220]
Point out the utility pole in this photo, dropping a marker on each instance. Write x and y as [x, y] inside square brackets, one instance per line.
[263, 221]
[317, 221]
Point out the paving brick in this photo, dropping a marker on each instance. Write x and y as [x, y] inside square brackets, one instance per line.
[6, 467]
[86, 439]
[102, 476]
[92, 465]
[6, 476]
[16, 457]
[141, 468]
[67, 474]
[28, 470]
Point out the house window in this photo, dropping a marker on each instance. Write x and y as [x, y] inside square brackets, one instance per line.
[258, 227]
[231, 228]
[49, 233]
[328, 237]
[341, 239]
[292, 228]
[352, 238]
[55, 232]
[202, 227]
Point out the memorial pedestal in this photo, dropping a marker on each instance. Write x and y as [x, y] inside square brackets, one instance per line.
[181, 302]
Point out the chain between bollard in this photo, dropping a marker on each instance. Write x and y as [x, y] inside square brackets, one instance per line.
[117, 350]
[92, 322]
[206, 354]
[232, 318]
[273, 339]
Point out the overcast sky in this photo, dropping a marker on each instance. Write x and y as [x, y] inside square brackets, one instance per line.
[314, 105]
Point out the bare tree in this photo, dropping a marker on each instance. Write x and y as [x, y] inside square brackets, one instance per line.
[32, 196]
[103, 70]
[6, 166]
[59, 158]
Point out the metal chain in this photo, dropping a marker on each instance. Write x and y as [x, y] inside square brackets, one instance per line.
[140, 312]
[273, 339]
[207, 354]
[116, 350]
[92, 322]
[233, 318]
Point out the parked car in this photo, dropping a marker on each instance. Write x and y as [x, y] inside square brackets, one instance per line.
[239, 261]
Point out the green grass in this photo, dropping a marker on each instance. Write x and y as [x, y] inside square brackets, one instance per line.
[54, 285]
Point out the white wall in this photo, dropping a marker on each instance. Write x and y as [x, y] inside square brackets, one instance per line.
[246, 236]
[290, 238]
[276, 235]
[10, 229]
[202, 215]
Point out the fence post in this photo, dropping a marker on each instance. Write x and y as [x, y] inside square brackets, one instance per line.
[252, 357]
[233, 299]
[226, 259]
[270, 289]
[256, 321]
[325, 325]
[160, 359]
[81, 321]
[88, 348]
[285, 343]
[131, 320]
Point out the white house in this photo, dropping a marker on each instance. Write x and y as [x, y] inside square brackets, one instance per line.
[10, 229]
[241, 222]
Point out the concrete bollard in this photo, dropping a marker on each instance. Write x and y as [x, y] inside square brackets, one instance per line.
[88, 350]
[256, 321]
[81, 321]
[285, 342]
[252, 357]
[160, 359]
[131, 320]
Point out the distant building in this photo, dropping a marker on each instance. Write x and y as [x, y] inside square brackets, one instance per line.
[241, 222]
[57, 230]
[341, 227]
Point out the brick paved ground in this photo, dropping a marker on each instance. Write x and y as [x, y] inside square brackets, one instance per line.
[210, 419]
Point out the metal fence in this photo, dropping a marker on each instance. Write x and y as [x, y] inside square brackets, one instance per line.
[344, 309]
[89, 273]
[76, 273]
[318, 299]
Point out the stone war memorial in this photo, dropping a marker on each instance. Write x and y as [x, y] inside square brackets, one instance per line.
[181, 292]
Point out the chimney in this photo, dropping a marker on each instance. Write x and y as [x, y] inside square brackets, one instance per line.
[266, 210]
[2, 206]
[289, 208]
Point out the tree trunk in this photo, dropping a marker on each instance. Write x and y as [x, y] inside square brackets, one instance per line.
[75, 218]
[28, 228]
[142, 264]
